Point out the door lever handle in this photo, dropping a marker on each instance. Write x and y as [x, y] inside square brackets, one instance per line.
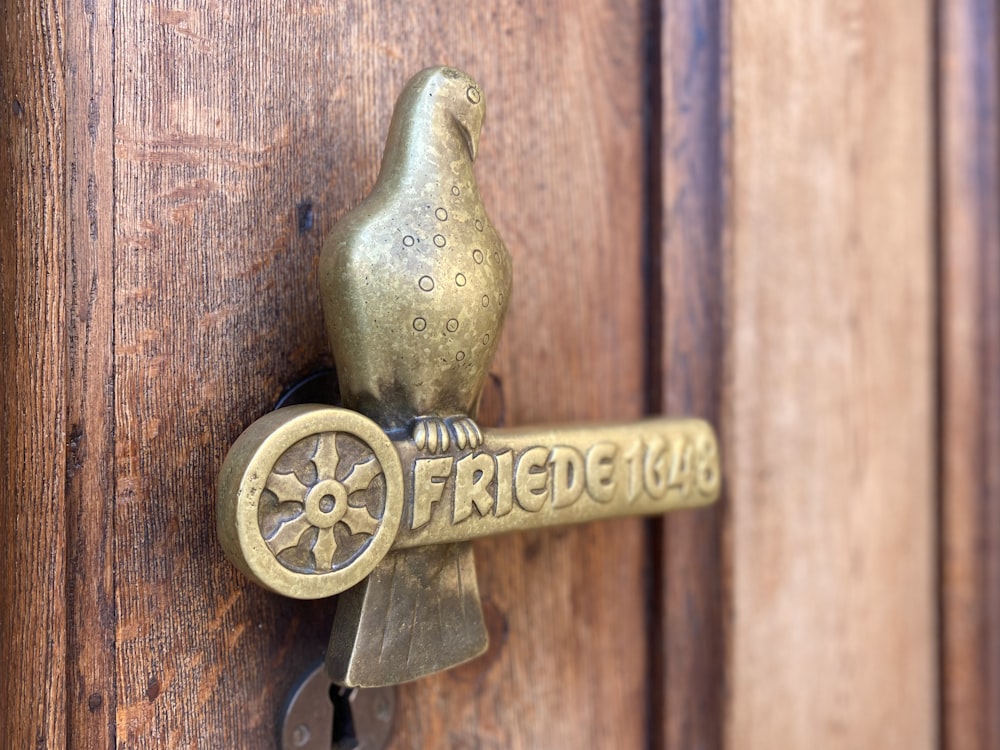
[378, 501]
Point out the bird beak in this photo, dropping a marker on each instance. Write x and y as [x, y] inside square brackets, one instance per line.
[470, 141]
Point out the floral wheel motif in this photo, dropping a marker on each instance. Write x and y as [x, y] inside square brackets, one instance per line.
[322, 503]
[310, 500]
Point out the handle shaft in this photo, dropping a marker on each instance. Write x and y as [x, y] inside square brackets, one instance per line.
[531, 478]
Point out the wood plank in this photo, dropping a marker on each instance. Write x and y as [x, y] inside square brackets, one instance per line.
[690, 683]
[221, 135]
[830, 387]
[240, 136]
[969, 84]
[32, 390]
[90, 380]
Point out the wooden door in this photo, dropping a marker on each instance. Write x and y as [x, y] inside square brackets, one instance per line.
[780, 216]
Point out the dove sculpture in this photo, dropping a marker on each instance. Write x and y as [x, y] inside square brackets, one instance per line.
[415, 283]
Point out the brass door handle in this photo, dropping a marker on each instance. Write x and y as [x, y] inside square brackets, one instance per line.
[379, 501]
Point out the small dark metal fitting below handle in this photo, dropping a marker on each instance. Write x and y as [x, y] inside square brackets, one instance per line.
[320, 715]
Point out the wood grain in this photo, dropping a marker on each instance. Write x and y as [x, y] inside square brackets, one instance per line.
[830, 391]
[690, 685]
[226, 126]
[969, 163]
[240, 135]
[90, 382]
[32, 390]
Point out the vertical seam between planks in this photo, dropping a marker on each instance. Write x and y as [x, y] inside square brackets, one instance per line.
[112, 685]
[113, 401]
[62, 410]
[652, 264]
[695, 227]
[52, 86]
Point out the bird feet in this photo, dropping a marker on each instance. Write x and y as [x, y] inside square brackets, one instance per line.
[435, 434]
[466, 432]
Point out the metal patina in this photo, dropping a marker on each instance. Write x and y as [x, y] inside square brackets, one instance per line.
[378, 501]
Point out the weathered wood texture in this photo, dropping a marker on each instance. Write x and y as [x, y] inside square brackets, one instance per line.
[240, 133]
[32, 389]
[969, 81]
[168, 177]
[89, 262]
[830, 391]
[690, 684]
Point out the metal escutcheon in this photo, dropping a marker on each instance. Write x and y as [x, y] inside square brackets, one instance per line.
[320, 715]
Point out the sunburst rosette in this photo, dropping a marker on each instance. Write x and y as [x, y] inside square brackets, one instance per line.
[310, 498]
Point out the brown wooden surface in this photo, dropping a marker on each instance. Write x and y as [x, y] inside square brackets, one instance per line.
[829, 404]
[90, 489]
[32, 391]
[240, 135]
[969, 77]
[167, 173]
[690, 685]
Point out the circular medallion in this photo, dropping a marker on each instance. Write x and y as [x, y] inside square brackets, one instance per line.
[310, 498]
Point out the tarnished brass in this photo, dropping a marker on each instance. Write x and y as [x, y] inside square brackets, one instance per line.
[380, 500]
[310, 500]
[415, 280]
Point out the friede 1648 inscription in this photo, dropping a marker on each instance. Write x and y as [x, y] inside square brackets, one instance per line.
[522, 479]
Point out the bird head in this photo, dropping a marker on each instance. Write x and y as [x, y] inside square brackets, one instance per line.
[458, 97]
[438, 105]
[464, 100]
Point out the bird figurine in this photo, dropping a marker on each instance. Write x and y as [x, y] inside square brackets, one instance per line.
[415, 280]
[415, 284]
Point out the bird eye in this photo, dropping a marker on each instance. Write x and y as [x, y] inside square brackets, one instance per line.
[473, 94]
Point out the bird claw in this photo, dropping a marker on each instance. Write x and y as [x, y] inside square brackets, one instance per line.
[431, 434]
[436, 434]
[466, 432]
